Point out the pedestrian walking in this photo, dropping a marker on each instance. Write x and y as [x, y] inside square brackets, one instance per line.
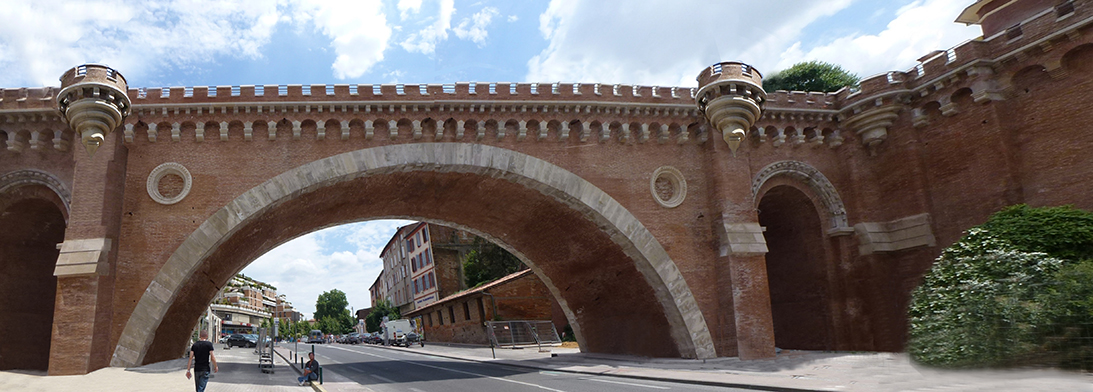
[200, 355]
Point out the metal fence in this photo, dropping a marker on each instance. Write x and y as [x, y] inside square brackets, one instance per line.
[522, 333]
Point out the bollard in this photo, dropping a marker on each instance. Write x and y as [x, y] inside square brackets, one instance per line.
[320, 375]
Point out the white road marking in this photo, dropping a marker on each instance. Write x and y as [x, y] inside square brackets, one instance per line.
[626, 383]
[454, 370]
[416, 390]
[384, 379]
[550, 373]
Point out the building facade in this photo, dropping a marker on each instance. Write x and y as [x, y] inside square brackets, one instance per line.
[460, 318]
[430, 257]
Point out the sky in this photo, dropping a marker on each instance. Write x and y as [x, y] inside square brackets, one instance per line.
[257, 42]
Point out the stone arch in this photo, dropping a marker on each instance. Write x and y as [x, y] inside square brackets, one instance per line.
[815, 180]
[20, 178]
[685, 323]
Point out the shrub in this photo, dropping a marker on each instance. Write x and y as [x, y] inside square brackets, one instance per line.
[1012, 291]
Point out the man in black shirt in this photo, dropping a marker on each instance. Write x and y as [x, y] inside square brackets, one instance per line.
[311, 370]
[200, 354]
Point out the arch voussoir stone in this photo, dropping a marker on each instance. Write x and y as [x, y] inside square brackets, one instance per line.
[816, 182]
[687, 324]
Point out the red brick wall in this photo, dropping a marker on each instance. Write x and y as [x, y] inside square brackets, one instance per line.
[524, 298]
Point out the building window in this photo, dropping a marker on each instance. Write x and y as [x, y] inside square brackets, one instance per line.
[429, 317]
[451, 313]
[440, 317]
[426, 231]
[466, 312]
[432, 280]
[428, 256]
[481, 309]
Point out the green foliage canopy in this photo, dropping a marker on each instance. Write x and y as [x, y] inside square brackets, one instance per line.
[1016, 290]
[380, 309]
[811, 76]
[488, 262]
[332, 313]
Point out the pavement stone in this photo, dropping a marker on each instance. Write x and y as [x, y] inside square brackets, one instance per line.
[789, 371]
[238, 373]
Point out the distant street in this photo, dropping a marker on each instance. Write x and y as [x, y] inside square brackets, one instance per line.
[385, 370]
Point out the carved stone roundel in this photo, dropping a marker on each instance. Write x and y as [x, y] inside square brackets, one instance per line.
[164, 170]
[668, 186]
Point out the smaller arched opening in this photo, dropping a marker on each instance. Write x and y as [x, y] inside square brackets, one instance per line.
[798, 270]
[1079, 61]
[32, 223]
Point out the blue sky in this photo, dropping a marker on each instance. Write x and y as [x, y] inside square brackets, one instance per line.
[647, 42]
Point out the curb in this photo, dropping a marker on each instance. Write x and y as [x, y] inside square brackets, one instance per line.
[316, 387]
[755, 387]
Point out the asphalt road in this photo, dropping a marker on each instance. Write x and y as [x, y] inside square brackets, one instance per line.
[385, 370]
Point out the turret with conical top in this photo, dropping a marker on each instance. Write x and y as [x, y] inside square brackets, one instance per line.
[93, 101]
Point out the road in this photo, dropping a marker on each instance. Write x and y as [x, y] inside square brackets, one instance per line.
[384, 370]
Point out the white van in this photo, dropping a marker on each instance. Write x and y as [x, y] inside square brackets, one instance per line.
[394, 331]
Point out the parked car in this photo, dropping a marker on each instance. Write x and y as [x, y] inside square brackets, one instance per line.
[241, 341]
[353, 338]
[316, 336]
[373, 338]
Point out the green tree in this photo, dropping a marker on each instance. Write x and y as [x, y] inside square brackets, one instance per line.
[488, 262]
[380, 309]
[333, 305]
[811, 76]
[1016, 290]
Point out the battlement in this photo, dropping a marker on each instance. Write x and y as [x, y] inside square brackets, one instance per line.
[1033, 36]
[415, 92]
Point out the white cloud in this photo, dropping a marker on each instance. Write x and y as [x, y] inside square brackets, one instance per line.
[44, 38]
[358, 31]
[406, 7]
[41, 39]
[664, 43]
[670, 43]
[425, 41]
[474, 28]
[513, 18]
[309, 265]
[919, 28]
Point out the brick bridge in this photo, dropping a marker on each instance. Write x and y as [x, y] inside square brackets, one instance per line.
[629, 202]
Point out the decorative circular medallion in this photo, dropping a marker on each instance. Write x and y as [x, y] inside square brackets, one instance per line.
[668, 186]
[169, 183]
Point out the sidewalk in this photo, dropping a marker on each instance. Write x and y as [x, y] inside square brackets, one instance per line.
[791, 370]
[238, 373]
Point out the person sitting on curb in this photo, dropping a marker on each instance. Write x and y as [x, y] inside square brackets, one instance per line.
[311, 370]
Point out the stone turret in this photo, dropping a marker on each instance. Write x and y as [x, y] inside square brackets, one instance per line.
[93, 101]
[731, 96]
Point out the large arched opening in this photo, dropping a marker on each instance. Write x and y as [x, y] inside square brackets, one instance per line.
[615, 283]
[32, 223]
[798, 271]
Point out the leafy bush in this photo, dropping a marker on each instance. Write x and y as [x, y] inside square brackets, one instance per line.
[1012, 291]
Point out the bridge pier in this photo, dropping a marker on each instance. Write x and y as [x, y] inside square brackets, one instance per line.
[84, 306]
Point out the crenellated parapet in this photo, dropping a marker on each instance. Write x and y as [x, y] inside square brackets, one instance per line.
[797, 118]
[978, 72]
